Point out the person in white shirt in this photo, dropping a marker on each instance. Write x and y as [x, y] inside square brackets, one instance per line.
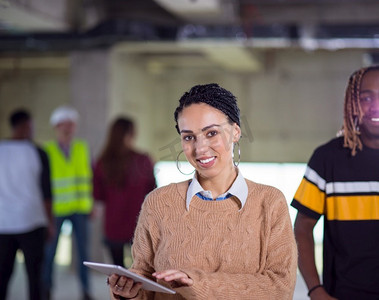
[25, 204]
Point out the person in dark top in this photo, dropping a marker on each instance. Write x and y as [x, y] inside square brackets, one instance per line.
[122, 178]
[341, 182]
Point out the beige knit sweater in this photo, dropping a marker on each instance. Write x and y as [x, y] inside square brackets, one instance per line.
[229, 253]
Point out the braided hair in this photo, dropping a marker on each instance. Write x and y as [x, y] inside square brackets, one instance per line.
[213, 95]
[352, 110]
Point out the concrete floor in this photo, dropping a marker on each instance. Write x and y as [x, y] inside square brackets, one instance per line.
[67, 285]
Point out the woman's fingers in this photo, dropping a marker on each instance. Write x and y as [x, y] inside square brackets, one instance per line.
[174, 275]
[121, 283]
[113, 279]
[135, 288]
[165, 273]
[123, 286]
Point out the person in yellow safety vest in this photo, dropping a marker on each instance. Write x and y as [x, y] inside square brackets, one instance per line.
[71, 176]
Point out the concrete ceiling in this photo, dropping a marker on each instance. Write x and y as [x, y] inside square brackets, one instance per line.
[76, 15]
[229, 33]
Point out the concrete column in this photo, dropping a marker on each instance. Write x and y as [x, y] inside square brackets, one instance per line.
[89, 84]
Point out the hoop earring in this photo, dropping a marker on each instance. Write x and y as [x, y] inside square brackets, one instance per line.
[177, 165]
[239, 154]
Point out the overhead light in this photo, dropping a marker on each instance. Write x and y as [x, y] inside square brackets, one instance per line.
[203, 11]
[185, 7]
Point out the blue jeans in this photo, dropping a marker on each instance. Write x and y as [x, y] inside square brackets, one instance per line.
[80, 230]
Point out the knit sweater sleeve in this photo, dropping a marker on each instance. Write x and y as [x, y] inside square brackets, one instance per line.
[276, 277]
[145, 242]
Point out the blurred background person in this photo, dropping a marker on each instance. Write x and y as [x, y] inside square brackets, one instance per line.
[122, 178]
[71, 175]
[25, 203]
[341, 182]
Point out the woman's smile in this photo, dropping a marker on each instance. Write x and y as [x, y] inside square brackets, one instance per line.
[207, 162]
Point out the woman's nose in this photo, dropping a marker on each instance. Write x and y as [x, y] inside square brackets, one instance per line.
[201, 145]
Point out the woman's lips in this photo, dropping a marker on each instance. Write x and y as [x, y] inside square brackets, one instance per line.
[207, 162]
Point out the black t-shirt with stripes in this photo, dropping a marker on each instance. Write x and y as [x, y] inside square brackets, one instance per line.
[345, 189]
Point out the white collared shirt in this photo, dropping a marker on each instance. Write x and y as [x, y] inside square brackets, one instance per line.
[238, 189]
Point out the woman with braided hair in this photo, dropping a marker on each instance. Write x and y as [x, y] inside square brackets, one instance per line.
[218, 235]
[341, 182]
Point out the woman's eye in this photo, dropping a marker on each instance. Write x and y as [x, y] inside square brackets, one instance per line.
[187, 138]
[212, 133]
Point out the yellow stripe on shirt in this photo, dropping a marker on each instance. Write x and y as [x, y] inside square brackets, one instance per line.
[311, 196]
[352, 208]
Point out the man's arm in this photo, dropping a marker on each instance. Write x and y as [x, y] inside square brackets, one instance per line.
[305, 242]
[45, 182]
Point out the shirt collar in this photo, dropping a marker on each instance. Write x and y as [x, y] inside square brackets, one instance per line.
[238, 189]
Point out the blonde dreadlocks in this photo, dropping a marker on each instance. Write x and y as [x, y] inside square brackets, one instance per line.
[352, 111]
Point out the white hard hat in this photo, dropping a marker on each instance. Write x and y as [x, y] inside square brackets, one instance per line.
[64, 113]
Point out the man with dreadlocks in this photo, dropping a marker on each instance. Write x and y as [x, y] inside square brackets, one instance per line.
[341, 182]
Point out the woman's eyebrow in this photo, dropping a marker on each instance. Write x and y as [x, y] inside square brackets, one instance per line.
[186, 131]
[203, 129]
[210, 126]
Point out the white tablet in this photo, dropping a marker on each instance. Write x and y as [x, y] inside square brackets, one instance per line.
[147, 284]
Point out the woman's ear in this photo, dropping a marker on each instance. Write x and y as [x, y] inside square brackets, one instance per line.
[236, 133]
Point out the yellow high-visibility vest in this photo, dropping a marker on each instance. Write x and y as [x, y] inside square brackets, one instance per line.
[71, 178]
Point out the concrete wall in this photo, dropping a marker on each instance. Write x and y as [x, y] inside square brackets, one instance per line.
[287, 109]
[131, 94]
[38, 90]
[293, 104]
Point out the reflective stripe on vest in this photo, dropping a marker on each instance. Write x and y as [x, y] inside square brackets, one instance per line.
[71, 178]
